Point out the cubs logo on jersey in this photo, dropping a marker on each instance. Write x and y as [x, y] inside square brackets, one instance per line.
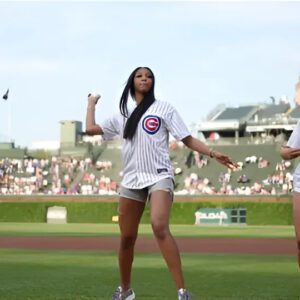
[151, 124]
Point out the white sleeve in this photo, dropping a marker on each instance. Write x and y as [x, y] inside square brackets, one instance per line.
[112, 127]
[294, 140]
[176, 125]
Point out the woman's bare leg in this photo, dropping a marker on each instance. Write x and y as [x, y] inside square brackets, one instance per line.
[130, 212]
[161, 203]
[296, 214]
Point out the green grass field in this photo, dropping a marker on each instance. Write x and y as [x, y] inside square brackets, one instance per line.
[53, 275]
[91, 275]
[38, 229]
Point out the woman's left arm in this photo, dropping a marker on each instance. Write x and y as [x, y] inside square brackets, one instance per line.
[200, 147]
[289, 153]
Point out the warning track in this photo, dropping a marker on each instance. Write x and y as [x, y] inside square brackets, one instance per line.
[261, 246]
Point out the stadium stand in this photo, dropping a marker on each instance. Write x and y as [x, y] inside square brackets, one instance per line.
[10, 151]
[262, 172]
[249, 134]
[295, 113]
[271, 111]
[237, 113]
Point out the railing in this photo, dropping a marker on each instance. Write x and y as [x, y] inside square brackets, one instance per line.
[273, 121]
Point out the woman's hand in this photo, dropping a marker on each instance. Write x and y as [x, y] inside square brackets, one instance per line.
[90, 124]
[93, 99]
[224, 160]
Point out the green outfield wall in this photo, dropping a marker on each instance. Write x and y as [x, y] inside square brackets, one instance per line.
[261, 210]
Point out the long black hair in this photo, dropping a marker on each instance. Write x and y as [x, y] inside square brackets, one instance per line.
[149, 98]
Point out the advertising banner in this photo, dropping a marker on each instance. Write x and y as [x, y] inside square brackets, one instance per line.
[220, 216]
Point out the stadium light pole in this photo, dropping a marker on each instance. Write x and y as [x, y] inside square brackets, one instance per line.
[273, 99]
[9, 118]
[9, 122]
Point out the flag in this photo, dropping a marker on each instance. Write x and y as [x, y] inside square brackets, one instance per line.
[5, 96]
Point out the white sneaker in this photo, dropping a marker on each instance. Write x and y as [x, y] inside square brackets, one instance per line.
[184, 295]
[119, 294]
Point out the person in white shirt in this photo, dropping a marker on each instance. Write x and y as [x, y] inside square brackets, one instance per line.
[288, 152]
[147, 170]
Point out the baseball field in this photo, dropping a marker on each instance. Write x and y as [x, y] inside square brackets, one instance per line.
[79, 261]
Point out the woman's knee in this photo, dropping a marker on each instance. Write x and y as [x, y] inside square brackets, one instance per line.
[128, 240]
[160, 229]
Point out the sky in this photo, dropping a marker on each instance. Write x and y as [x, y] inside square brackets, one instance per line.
[203, 54]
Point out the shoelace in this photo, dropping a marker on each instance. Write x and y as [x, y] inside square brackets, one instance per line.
[117, 294]
[120, 295]
[184, 294]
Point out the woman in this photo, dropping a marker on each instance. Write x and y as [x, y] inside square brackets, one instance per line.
[147, 171]
[288, 152]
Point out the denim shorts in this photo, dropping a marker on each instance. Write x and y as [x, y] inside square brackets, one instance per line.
[166, 184]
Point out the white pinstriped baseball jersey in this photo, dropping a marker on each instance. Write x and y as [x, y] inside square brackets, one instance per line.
[294, 142]
[146, 157]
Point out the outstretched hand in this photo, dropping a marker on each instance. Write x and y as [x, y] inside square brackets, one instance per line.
[93, 98]
[225, 160]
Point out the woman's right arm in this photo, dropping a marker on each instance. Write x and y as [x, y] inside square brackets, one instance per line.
[292, 149]
[91, 127]
[289, 153]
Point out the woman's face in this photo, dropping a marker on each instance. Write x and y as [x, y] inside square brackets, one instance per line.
[143, 81]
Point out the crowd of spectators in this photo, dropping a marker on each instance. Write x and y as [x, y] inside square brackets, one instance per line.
[55, 176]
[279, 182]
[72, 176]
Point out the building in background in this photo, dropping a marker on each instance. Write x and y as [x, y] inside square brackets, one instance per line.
[70, 133]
